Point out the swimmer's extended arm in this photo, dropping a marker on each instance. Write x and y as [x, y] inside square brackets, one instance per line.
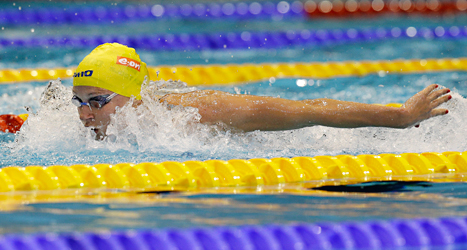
[249, 113]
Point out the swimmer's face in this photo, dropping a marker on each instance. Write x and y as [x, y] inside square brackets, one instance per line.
[98, 119]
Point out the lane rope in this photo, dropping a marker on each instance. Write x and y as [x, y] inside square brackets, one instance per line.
[389, 234]
[213, 74]
[318, 170]
[91, 13]
[242, 40]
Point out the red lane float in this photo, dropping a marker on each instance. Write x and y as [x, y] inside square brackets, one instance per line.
[343, 8]
[11, 123]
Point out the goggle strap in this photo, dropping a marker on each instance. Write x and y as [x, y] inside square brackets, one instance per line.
[110, 97]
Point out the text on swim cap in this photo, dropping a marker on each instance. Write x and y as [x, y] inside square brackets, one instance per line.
[128, 62]
[83, 73]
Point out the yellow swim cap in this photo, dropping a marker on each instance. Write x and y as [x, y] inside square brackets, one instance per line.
[114, 67]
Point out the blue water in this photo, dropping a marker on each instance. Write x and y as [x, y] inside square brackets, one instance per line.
[54, 141]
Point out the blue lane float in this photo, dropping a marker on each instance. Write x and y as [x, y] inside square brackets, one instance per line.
[243, 40]
[91, 13]
[350, 235]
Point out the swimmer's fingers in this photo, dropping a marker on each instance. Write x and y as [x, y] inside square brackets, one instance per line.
[437, 93]
[440, 100]
[433, 113]
[426, 96]
[427, 91]
[438, 112]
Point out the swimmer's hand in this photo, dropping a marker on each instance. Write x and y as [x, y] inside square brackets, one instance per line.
[424, 105]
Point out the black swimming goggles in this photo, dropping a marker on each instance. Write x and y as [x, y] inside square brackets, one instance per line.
[96, 102]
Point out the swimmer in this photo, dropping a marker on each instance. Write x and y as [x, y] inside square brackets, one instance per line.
[112, 74]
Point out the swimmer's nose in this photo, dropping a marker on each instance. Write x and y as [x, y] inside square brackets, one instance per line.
[85, 114]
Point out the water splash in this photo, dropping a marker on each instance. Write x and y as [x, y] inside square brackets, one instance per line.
[54, 126]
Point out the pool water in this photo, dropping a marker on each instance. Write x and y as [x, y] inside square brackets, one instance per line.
[278, 205]
[55, 136]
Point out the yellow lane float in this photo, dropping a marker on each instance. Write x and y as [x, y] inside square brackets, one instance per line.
[191, 175]
[242, 73]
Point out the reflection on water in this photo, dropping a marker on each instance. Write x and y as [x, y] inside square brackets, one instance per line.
[78, 210]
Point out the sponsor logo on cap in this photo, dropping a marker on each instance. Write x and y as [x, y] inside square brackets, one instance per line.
[125, 61]
[83, 73]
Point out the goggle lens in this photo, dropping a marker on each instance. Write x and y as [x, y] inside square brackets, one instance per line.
[95, 102]
[76, 101]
